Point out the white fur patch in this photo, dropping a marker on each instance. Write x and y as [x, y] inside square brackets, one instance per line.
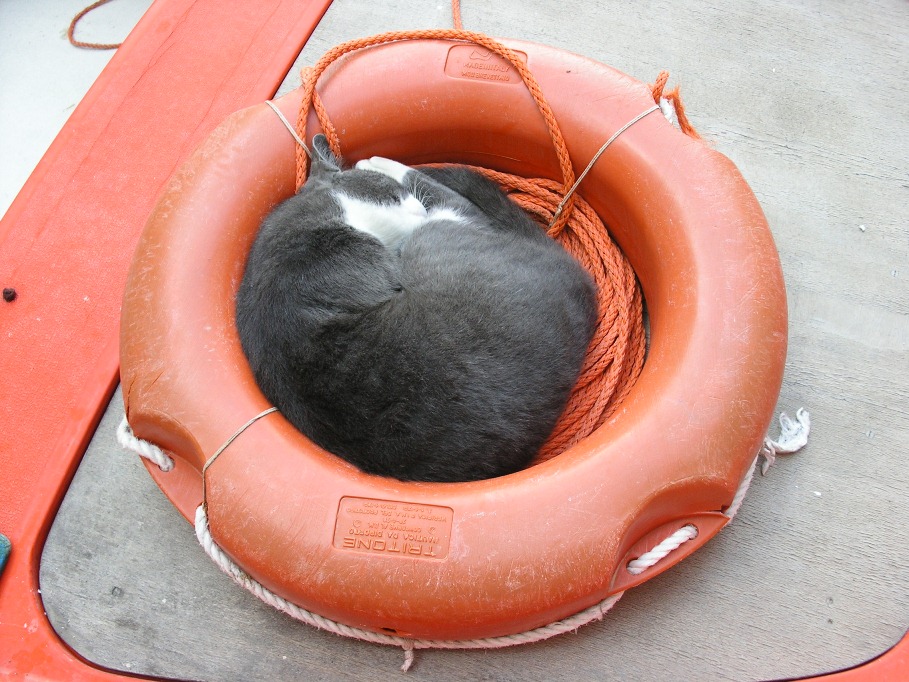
[445, 214]
[390, 224]
[380, 164]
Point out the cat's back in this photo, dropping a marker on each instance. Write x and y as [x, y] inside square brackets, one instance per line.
[436, 341]
[510, 282]
[481, 347]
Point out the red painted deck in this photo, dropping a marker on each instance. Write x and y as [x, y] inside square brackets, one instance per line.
[66, 243]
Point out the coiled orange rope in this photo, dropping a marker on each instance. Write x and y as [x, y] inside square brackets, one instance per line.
[616, 353]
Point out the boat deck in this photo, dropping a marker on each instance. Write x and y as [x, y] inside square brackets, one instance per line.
[807, 99]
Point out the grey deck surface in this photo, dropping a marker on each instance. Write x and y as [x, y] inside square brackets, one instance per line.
[808, 98]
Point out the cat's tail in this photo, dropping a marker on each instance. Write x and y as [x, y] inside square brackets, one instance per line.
[486, 196]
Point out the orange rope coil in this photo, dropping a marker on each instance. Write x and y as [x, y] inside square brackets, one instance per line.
[616, 353]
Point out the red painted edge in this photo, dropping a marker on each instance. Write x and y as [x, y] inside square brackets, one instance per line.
[65, 245]
[892, 665]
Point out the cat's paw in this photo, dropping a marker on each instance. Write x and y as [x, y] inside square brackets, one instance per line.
[380, 164]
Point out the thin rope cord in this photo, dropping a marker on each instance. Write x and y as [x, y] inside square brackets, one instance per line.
[289, 126]
[574, 187]
[739, 497]
[662, 550]
[129, 441]
[71, 31]
[456, 14]
[233, 437]
[689, 532]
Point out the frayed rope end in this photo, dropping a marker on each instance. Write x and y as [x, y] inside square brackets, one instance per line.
[408, 656]
[793, 437]
[671, 105]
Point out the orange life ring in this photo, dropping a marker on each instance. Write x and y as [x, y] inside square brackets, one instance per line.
[487, 558]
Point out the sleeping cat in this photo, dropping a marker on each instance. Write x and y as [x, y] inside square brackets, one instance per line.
[416, 323]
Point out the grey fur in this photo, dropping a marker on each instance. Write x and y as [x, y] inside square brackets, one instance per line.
[446, 356]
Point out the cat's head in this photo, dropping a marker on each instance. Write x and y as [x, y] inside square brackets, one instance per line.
[363, 185]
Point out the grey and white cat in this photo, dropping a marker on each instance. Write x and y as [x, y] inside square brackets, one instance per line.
[416, 323]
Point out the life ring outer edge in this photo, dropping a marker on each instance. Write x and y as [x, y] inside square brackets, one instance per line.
[176, 343]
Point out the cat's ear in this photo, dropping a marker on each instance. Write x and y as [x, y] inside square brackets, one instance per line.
[323, 159]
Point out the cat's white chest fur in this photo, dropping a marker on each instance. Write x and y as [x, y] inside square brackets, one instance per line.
[389, 223]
